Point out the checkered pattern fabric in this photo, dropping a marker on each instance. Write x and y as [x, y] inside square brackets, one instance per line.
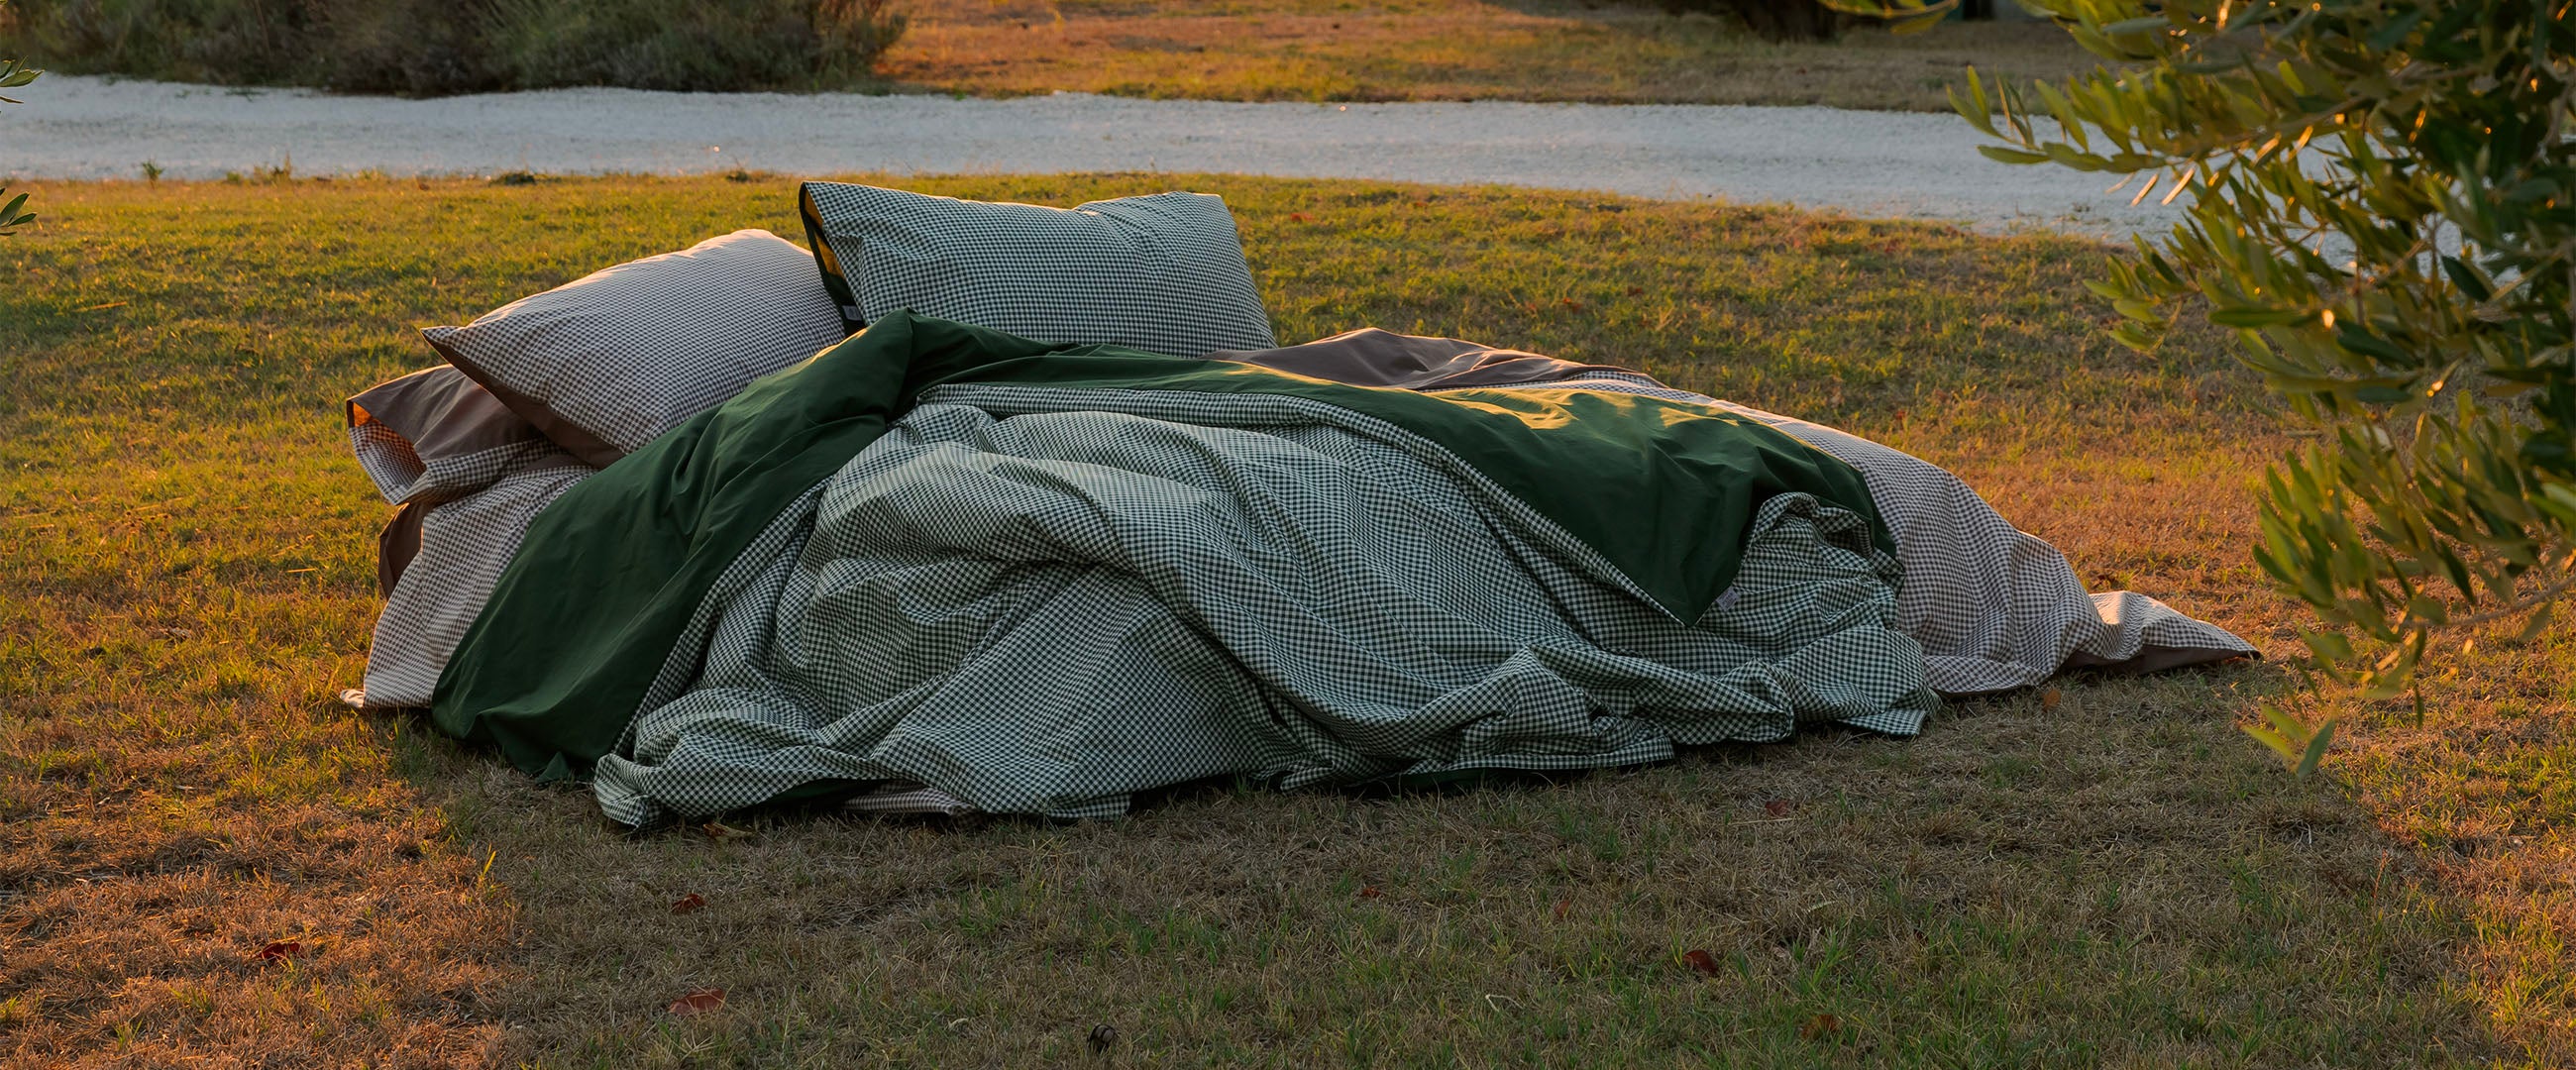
[1995, 607]
[905, 797]
[464, 545]
[758, 576]
[1163, 273]
[629, 352]
[1033, 600]
[403, 477]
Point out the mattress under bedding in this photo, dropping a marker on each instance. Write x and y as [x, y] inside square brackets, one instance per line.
[1038, 579]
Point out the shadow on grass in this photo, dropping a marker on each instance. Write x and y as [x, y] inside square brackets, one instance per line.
[2109, 877]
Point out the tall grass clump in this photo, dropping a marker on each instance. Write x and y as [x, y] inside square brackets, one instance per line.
[461, 46]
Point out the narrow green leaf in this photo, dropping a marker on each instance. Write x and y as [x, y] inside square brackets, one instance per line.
[2328, 646]
[2316, 750]
[2467, 279]
[2367, 344]
[2255, 318]
[2538, 623]
[2278, 743]
[2393, 34]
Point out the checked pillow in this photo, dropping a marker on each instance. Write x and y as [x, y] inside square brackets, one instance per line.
[607, 362]
[1163, 273]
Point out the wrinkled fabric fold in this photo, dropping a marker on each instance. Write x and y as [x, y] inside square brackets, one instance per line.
[1045, 600]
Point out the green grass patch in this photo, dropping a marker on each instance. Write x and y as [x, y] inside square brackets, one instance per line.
[2111, 875]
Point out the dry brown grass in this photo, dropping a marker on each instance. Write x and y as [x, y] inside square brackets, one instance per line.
[2113, 876]
[1441, 50]
[177, 791]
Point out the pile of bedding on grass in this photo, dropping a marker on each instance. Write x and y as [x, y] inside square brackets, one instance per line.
[1067, 574]
[649, 537]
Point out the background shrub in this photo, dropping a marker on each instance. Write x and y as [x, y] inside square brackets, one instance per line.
[1824, 20]
[460, 46]
[1775, 20]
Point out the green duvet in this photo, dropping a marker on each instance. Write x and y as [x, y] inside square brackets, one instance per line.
[1040, 579]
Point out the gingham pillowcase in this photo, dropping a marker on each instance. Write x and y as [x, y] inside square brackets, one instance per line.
[607, 362]
[435, 436]
[432, 437]
[1163, 273]
[464, 545]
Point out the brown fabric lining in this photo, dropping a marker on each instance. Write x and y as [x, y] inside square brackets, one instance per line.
[1373, 357]
[589, 447]
[397, 545]
[819, 237]
[441, 412]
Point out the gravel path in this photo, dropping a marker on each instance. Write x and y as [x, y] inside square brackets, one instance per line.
[1878, 164]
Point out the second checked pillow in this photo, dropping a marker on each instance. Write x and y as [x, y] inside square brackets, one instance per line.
[607, 362]
[1163, 273]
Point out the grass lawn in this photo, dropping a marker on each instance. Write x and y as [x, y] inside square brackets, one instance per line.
[1442, 50]
[2104, 874]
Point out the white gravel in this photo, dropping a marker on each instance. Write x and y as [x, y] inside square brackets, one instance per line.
[1874, 164]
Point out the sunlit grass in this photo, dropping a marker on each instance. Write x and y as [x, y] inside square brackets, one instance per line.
[2109, 876]
[1444, 50]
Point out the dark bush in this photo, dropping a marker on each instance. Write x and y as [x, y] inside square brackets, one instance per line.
[458, 46]
[1819, 20]
[414, 47]
[1774, 20]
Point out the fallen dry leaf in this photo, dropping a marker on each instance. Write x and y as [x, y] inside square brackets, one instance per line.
[1820, 1027]
[1777, 807]
[280, 951]
[698, 1002]
[719, 831]
[1700, 960]
[688, 904]
[2049, 699]
[1296, 217]
[1369, 891]
[1563, 905]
